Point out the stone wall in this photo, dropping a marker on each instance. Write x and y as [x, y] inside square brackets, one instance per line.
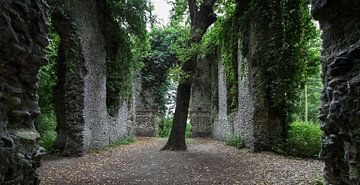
[147, 118]
[340, 109]
[22, 41]
[200, 102]
[83, 119]
[222, 127]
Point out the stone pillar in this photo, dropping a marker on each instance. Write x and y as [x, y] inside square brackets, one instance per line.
[340, 109]
[23, 38]
[222, 127]
[200, 107]
[244, 125]
[147, 118]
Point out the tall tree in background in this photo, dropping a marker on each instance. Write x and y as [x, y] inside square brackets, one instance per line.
[201, 17]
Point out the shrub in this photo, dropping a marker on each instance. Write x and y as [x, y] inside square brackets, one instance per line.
[236, 141]
[46, 125]
[165, 128]
[303, 139]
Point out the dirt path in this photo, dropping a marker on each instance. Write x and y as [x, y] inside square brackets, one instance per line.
[206, 162]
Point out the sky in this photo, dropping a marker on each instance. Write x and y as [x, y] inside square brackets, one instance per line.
[162, 10]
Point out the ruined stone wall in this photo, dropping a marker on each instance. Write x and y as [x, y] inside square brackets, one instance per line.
[147, 118]
[84, 121]
[200, 102]
[23, 37]
[243, 124]
[222, 127]
[340, 109]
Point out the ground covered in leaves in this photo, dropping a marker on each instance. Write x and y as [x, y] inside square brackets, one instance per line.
[206, 162]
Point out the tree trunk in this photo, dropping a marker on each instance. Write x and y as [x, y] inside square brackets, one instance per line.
[201, 18]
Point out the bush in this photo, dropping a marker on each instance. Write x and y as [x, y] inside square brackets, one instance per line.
[165, 128]
[303, 139]
[236, 141]
[46, 125]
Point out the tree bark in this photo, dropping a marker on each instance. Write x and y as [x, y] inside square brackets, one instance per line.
[201, 18]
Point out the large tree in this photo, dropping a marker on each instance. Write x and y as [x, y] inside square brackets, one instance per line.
[201, 17]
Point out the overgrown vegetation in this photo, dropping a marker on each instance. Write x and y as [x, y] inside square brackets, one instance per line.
[157, 63]
[165, 128]
[235, 141]
[117, 143]
[46, 122]
[303, 140]
[295, 88]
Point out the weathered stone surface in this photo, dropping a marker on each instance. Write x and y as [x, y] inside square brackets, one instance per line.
[258, 121]
[80, 96]
[340, 109]
[200, 102]
[148, 117]
[243, 125]
[23, 38]
[222, 127]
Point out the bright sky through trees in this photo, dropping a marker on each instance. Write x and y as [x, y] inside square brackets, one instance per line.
[162, 10]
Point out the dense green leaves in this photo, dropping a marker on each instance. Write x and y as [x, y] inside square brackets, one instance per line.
[304, 140]
[157, 63]
[46, 122]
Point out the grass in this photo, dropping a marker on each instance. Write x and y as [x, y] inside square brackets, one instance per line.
[123, 141]
[166, 128]
[235, 141]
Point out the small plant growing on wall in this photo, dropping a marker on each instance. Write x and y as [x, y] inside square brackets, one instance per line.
[235, 141]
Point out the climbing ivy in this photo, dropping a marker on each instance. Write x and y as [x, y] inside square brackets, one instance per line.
[223, 38]
[281, 58]
[126, 43]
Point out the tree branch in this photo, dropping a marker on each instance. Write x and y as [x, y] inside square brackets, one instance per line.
[193, 10]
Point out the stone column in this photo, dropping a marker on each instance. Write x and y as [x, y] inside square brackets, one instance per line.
[23, 38]
[200, 107]
[147, 117]
[222, 127]
[340, 109]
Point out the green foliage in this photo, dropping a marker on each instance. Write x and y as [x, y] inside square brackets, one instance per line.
[304, 140]
[46, 122]
[122, 141]
[132, 15]
[114, 144]
[46, 125]
[157, 63]
[126, 43]
[224, 36]
[165, 128]
[314, 86]
[320, 180]
[236, 141]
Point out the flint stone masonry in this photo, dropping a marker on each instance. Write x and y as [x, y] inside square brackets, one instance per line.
[340, 109]
[147, 117]
[222, 127]
[251, 121]
[200, 107]
[83, 120]
[22, 41]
